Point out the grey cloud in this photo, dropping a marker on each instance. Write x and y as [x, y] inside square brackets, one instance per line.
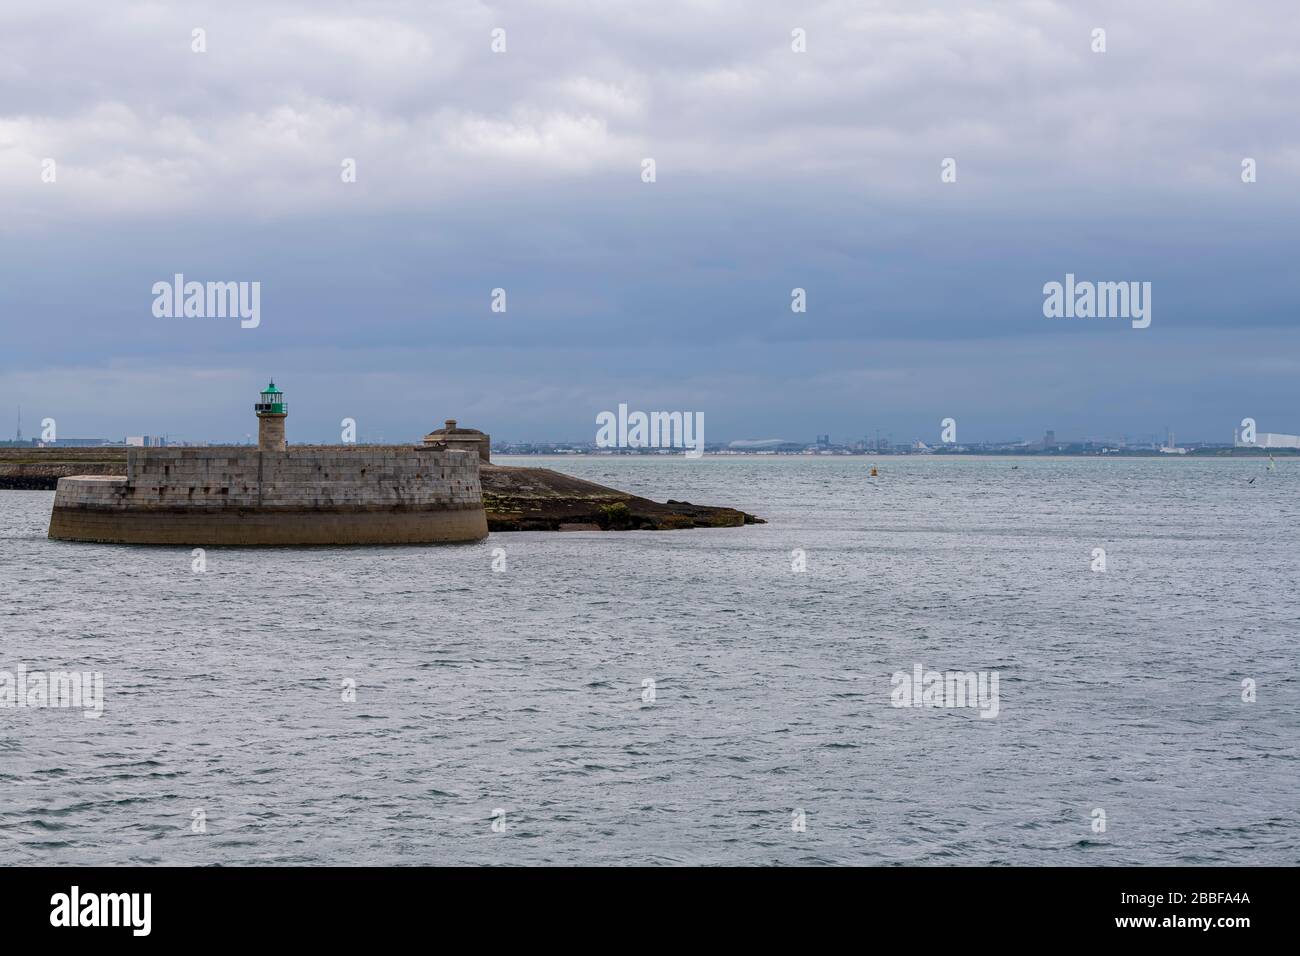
[776, 170]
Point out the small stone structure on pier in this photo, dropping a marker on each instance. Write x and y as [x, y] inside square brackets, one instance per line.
[454, 437]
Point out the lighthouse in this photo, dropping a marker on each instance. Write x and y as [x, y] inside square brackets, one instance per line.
[271, 413]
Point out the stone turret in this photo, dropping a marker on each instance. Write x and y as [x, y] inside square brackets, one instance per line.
[466, 438]
[271, 413]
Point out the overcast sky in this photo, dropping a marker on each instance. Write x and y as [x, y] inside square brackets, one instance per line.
[775, 169]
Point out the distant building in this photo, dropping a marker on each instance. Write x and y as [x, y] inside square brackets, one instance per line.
[1265, 440]
[470, 439]
[764, 445]
[1169, 448]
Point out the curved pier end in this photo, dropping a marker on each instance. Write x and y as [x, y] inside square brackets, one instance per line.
[306, 495]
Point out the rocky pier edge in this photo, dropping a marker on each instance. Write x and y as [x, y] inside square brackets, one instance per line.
[539, 499]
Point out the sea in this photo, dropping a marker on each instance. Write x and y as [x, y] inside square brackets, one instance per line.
[739, 696]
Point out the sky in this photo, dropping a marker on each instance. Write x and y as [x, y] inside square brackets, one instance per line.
[774, 169]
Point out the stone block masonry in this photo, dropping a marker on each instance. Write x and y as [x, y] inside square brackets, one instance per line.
[305, 495]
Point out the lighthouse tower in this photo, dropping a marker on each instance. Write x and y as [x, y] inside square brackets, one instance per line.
[271, 413]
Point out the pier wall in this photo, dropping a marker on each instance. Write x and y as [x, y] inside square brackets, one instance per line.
[39, 469]
[305, 495]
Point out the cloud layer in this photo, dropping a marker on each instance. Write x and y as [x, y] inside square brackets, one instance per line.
[775, 169]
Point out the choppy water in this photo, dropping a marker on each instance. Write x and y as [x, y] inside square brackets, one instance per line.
[522, 690]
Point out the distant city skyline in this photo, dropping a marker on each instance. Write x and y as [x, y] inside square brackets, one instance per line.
[813, 437]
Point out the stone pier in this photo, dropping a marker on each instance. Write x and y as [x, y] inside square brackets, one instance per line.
[301, 496]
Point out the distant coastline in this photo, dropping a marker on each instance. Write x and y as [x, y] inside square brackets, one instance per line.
[1215, 451]
[13, 452]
